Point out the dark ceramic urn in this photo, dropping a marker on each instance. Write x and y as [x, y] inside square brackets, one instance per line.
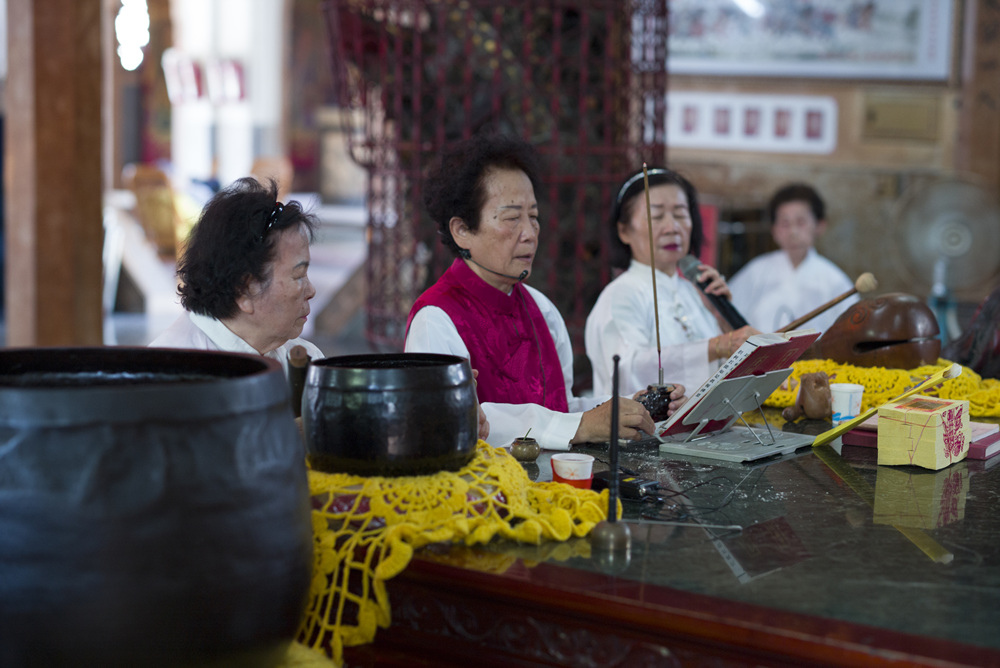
[153, 509]
[390, 414]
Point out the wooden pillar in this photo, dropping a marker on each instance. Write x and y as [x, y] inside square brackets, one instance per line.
[978, 143]
[54, 230]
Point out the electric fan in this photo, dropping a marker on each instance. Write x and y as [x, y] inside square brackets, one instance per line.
[949, 245]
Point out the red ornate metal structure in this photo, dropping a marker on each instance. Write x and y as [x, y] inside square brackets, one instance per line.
[584, 81]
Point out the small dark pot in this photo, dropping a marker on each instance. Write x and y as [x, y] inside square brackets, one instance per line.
[390, 415]
[153, 509]
[525, 449]
[657, 401]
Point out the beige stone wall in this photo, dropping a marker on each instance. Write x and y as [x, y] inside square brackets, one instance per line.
[895, 141]
[891, 139]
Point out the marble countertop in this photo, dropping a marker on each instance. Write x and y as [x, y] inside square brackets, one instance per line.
[822, 532]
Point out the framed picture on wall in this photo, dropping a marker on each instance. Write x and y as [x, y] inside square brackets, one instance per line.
[862, 39]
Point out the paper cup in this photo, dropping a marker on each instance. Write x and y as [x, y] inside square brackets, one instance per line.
[573, 469]
[846, 401]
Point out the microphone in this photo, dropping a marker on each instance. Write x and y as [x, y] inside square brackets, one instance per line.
[689, 267]
[466, 254]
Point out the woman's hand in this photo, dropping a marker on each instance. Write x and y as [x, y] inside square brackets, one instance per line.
[724, 345]
[595, 426]
[717, 284]
[740, 336]
[677, 399]
[484, 424]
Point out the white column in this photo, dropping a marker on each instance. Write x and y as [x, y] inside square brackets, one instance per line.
[250, 32]
[192, 122]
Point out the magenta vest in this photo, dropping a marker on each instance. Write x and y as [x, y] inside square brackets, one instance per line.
[508, 340]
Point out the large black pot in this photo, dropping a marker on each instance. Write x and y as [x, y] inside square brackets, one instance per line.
[390, 415]
[153, 509]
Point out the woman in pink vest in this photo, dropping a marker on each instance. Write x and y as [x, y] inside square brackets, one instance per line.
[482, 196]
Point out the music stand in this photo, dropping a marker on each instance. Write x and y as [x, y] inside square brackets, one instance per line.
[714, 435]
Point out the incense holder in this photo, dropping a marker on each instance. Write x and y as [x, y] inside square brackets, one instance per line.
[525, 449]
[390, 414]
[155, 509]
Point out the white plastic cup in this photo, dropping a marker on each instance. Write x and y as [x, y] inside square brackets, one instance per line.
[846, 401]
[573, 468]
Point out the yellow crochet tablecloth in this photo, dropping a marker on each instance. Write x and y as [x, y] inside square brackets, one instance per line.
[366, 529]
[882, 385]
[300, 656]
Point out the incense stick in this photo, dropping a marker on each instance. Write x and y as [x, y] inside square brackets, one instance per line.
[652, 266]
[613, 447]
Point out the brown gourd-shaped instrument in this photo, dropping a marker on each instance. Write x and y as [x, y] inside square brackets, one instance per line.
[894, 330]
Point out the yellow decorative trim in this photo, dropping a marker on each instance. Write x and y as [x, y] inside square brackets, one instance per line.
[883, 385]
[366, 530]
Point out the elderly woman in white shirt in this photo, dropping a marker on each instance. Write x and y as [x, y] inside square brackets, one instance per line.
[482, 196]
[244, 280]
[694, 340]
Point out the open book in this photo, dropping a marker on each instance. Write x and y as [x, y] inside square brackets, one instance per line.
[759, 356]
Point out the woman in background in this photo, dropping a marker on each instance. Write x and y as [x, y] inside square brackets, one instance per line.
[693, 339]
[775, 288]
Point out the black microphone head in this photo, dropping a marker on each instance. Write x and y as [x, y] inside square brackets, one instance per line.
[689, 267]
[465, 253]
[524, 275]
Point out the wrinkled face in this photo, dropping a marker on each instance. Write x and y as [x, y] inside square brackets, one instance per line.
[671, 221]
[507, 237]
[281, 307]
[795, 227]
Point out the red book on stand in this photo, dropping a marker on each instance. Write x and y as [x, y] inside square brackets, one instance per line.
[760, 354]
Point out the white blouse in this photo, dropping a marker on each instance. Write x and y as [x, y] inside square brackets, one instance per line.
[201, 332]
[623, 323]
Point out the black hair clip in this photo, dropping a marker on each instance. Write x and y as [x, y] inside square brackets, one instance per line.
[275, 215]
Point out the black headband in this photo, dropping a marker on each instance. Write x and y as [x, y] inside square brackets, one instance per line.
[632, 180]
